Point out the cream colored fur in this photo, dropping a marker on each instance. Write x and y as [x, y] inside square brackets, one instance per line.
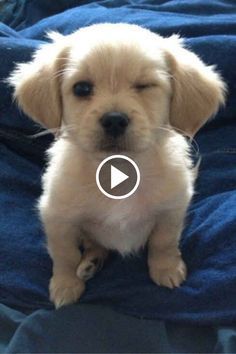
[182, 94]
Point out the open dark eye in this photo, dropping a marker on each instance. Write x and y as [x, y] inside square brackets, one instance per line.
[83, 89]
[141, 87]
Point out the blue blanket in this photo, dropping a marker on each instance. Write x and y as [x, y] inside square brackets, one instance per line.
[209, 239]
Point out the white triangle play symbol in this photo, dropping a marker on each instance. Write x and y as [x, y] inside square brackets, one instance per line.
[117, 177]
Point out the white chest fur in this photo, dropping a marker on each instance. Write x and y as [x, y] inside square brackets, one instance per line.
[122, 225]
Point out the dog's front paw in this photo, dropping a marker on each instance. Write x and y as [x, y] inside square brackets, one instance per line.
[65, 290]
[170, 273]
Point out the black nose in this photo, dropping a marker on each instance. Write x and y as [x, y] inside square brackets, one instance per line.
[114, 123]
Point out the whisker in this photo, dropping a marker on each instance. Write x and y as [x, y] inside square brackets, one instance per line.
[60, 73]
[45, 132]
[56, 131]
[191, 140]
[164, 73]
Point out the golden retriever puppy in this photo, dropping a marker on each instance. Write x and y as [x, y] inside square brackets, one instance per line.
[158, 91]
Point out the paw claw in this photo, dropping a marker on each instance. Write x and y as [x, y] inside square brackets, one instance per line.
[65, 290]
[88, 267]
[172, 276]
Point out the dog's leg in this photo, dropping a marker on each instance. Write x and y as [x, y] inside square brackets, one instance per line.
[166, 266]
[92, 260]
[65, 287]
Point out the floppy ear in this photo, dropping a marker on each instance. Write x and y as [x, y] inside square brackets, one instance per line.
[37, 84]
[198, 90]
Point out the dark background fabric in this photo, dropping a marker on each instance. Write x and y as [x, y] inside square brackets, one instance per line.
[97, 329]
[209, 240]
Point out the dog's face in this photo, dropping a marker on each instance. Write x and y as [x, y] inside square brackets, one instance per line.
[115, 87]
[115, 94]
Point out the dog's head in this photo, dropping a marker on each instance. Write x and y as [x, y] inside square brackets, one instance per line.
[114, 87]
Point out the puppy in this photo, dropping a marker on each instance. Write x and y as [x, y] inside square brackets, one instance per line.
[162, 92]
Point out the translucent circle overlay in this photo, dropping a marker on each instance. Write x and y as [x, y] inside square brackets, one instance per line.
[118, 196]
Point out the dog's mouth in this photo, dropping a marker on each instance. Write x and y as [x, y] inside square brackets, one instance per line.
[114, 145]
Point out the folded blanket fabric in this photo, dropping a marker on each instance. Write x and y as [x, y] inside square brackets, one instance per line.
[209, 239]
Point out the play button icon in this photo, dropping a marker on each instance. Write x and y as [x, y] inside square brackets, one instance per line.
[118, 176]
